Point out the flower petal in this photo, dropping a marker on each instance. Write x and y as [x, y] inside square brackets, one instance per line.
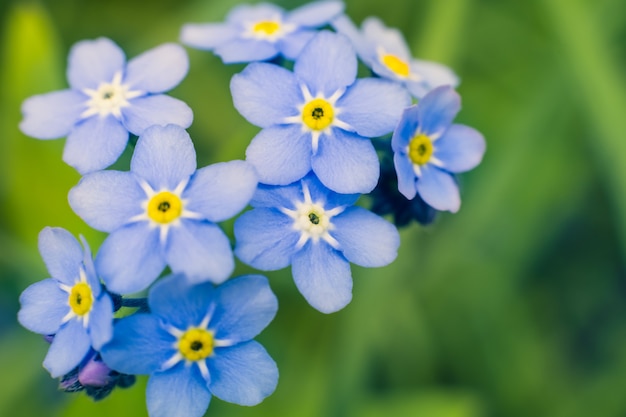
[327, 64]
[323, 196]
[159, 109]
[437, 110]
[92, 62]
[61, 253]
[280, 154]
[346, 163]
[438, 189]
[460, 149]
[243, 374]
[101, 322]
[222, 190]
[273, 196]
[43, 306]
[247, 13]
[69, 346]
[291, 46]
[323, 277]
[432, 75]
[246, 50]
[106, 200]
[406, 129]
[315, 14]
[207, 35]
[373, 106]
[200, 250]
[130, 258]
[365, 238]
[265, 94]
[52, 115]
[265, 239]
[95, 143]
[157, 70]
[244, 307]
[406, 175]
[178, 392]
[164, 157]
[390, 39]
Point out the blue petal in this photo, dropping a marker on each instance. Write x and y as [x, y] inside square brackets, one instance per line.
[52, 115]
[390, 39]
[280, 154]
[90, 270]
[44, 305]
[323, 277]
[460, 149]
[244, 307]
[406, 129]
[95, 143]
[101, 322]
[265, 239]
[327, 64]
[365, 238]
[373, 107]
[159, 109]
[130, 258]
[265, 94]
[200, 250]
[325, 197]
[346, 163]
[178, 392]
[207, 35]
[315, 14]
[246, 50]
[140, 345]
[277, 196]
[69, 347]
[92, 62]
[432, 75]
[252, 13]
[438, 189]
[243, 374]
[220, 191]
[157, 70]
[107, 200]
[364, 48]
[437, 110]
[61, 253]
[291, 45]
[164, 157]
[406, 175]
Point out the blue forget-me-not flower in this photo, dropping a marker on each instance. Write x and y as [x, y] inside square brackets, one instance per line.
[107, 99]
[429, 149]
[318, 117]
[197, 342]
[318, 232]
[163, 212]
[71, 305]
[262, 31]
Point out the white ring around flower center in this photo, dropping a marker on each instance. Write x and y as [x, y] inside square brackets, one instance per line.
[109, 98]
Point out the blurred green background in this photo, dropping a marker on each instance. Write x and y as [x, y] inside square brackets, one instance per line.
[515, 306]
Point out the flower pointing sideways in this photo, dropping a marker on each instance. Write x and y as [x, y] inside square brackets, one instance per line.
[197, 342]
[163, 212]
[429, 150]
[107, 99]
[262, 31]
[71, 305]
[318, 232]
[318, 117]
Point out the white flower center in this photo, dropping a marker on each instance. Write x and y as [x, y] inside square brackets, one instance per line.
[109, 98]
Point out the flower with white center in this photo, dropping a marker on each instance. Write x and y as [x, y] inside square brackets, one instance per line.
[163, 212]
[429, 150]
[197, 342]
[108, 99]
[71, 305]
[261, 31]
[318, 117]
[318, 232]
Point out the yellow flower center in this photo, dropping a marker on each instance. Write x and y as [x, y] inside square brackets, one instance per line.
[196, 344]
[266, 27]
[396, 65]
[165, 207]
[318, 114]
[81, 299]
[420, 149]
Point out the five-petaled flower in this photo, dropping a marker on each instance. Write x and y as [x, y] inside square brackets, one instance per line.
[163, 212]
[107, 99]
[197, 342]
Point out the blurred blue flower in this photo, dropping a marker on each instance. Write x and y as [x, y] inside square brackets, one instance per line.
[163, 212]
[318, 117]
[197, 342]
[71, 305]
[262, 31]
[387, 54]
[318, 232]
[429, 149]
[107, 99]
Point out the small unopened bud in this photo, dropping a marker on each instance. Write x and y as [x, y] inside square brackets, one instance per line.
[94, 373]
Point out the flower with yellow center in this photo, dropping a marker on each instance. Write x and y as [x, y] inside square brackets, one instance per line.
[80, 299]
[396, 65]
[270, 30]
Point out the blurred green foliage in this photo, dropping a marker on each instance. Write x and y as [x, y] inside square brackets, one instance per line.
[515, 306]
